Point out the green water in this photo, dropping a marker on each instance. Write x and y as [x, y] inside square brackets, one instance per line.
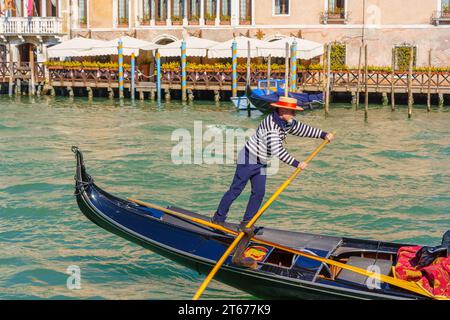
[386, 179]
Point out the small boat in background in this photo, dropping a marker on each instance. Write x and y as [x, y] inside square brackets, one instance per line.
[261, 99]
[265, 87]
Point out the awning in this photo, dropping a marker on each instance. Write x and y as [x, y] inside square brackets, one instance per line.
[130, 45]
[306, 49]
[223, 49]
[76, 47]
[195, 47]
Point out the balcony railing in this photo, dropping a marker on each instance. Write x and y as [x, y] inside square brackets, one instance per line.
[30, 25]
[441, 17]
[335, 16]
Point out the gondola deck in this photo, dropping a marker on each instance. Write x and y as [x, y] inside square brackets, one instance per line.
[279, 275]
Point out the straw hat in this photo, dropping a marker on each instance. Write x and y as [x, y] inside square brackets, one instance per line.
[287, 103]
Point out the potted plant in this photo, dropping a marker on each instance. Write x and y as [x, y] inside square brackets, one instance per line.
[123, 21]
[83, 21]
[336, 13]
[145, 20]
[446, 11]
[245, 20]
[210, 19]
[194, 20]
[225, 19]
[177, 20]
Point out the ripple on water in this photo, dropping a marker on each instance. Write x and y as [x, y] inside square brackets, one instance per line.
[383, 179]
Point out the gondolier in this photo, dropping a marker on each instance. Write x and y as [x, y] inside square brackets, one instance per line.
[264, 144]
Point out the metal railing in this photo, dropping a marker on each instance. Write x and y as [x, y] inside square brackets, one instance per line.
[30, 25]
[440, 17]
[335, 16]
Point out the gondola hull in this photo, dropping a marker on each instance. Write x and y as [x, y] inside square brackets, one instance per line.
[198, 248]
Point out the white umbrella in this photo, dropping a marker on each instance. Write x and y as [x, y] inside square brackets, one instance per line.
[195, 47]
[306, 49]
[76, 47]
[223, 49]
[130, 45]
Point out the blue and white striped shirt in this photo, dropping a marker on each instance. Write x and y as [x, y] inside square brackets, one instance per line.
[270, 135]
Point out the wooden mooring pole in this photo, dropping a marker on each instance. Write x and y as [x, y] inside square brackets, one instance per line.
[429, 82]
[358, 85]
[410, 94]
[366, 86]
[327, 91]
[31, 84]
[286, 71]
[394, 53]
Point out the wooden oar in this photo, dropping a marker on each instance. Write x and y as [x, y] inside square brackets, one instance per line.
[406, 285]
[252, 222]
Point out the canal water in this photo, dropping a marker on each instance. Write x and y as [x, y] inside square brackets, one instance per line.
[387, 179]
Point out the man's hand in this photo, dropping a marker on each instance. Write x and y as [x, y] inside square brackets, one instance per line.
[302, 165]
[329, 137]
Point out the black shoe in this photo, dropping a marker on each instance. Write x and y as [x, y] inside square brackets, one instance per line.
[215, 221]
[250, 231]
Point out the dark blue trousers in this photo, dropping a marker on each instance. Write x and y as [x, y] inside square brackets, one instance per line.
[245, 170]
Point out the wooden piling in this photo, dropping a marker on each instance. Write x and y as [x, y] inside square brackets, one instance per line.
[410, 93]
[190, 95]
[216, 95]
[384, 98]
[110, 93]
[358, 85]
[11, 71]
[141, 95]
[286, 71]
[366, 85]
[31, 84]
[269, 65]
[152, 95]
[327, 91]
[394, 53]
[70, 91]
[89, 92]
[429, 82]
[441, 100]
[167, 95]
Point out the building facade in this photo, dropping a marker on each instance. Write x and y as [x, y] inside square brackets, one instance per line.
[382, 24]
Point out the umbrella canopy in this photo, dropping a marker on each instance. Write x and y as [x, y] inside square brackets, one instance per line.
[130, 45]
[76, 47]
[306, 49]
[223, 49]
[195, 47]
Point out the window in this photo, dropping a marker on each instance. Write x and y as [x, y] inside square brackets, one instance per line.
[282, 7]
[82, 12]
[123, 11]
[210, 11]
[245, 11]
[225, 11]
[160, 11]
[445, 8]
[336, 7]
[148, 9]
[402, 56]
[193, 10]
[177, 11]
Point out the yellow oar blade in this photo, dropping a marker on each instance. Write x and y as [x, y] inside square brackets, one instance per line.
[252, 222]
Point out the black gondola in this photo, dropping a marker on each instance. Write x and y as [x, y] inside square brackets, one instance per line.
[279, 274]
[261, 101]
